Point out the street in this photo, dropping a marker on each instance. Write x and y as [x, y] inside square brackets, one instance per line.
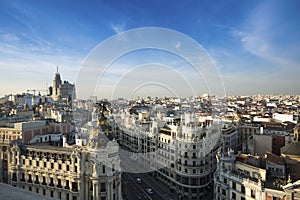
[132, 190]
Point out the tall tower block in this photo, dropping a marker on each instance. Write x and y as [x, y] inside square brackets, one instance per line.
[56, 82]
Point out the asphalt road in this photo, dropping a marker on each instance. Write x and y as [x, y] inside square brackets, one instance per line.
[132, 190]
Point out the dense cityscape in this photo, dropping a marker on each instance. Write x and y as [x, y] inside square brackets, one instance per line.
[149, 100]
[239, 147]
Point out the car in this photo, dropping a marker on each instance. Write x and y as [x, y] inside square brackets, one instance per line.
[149, 190]
[138, 180]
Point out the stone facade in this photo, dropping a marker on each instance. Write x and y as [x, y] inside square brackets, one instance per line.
[65, 172]
[62, 90]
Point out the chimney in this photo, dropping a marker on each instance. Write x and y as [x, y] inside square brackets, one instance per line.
[64, 140]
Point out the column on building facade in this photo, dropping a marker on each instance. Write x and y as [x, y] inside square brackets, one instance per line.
[63, 195]
[1, 164]
[109, 190]
[13, 158]
[95, 189]
[120, 191]
[86, 186]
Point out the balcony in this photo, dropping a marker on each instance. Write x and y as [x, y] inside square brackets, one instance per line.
[74, 189]
[103, 190]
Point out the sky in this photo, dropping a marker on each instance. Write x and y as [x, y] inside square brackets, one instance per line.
[253, 45]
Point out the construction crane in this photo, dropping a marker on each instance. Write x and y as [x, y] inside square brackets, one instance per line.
[35, 90]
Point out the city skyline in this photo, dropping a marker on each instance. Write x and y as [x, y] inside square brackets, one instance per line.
[255, 45]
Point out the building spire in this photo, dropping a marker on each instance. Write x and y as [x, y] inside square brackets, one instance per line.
[57, 69]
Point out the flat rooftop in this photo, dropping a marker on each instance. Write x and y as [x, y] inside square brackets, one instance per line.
[15, 193]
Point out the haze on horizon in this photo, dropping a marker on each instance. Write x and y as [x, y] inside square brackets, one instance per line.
[254, 44]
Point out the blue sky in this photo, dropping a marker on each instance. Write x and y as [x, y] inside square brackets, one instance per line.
[255, 44]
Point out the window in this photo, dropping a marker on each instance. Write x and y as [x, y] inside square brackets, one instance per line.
[59, 183]
[234, 185]
[102, 188]
[67, 184]
[14, 178]
[30, 188]
[37, 179]
[185, 154]
[45, 164]
[44, 192]
[44, 180]
[29, 178]
[59, 166]
[243, 189]
[23, 177]
[194, 146]
[51, 182]
[223, 192]
[74, 186]
[194, 155]
[253, 194]
[51, 193]
[103, 169]
[233, 195]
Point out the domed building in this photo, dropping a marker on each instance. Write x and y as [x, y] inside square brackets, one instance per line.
[66, 172]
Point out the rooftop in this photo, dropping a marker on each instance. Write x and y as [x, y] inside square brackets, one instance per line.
[275, 159]
[14, 193]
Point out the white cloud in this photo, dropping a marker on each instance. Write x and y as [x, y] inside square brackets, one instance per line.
[9, 37]
[26, 65]
[261, 35]
[118, 28]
